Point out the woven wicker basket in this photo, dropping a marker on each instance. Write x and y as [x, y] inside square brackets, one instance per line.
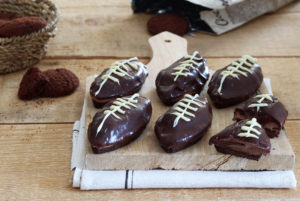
[19, 52]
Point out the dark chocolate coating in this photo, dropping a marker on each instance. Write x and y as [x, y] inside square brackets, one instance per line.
[271, 117]
[115, 132]
[227, 141]
[185, 133]
[170, 91]
[127, 85]
[234, 90]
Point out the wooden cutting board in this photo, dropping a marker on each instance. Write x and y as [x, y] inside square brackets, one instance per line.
[145, 152]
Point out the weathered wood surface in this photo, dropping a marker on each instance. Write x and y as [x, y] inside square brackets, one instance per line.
[35, 165]
[98, 29]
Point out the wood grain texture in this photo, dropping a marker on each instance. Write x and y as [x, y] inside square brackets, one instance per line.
[115, 31]
[284, 74]
[35, 165]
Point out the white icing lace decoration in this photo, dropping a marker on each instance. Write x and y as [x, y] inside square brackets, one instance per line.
[118, 68]
[181, 108]
[250, 128]
[237, 68]
[117, 106]
[184, 68]
[260, 103]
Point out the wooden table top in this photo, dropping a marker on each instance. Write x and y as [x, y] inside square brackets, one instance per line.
[36, 138]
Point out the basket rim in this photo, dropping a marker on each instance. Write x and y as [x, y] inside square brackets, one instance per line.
[50, 27]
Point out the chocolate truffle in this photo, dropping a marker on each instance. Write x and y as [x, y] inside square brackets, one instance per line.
[122, 78]
[184, 124]
[268, 111]
[236, 82]
[119, 123]
[50, 83]
[245, 138]
[188, 75]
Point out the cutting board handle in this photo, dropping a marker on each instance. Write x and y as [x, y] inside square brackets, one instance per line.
[166, 49]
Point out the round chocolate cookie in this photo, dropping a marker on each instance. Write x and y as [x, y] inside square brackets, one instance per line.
[171, 22]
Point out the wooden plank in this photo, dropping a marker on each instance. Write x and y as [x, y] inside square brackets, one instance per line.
[116, 31]
[35, 164]
[284, 74]
[145, 152]
[294, 7]
[88, 4]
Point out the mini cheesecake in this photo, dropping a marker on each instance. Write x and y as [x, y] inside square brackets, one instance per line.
[268, 111]
[122, 78]
[245, 139]
[119, 123]
[188, 75]
[184, 124]
[236, 82]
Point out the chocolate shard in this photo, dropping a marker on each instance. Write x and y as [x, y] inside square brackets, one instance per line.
[245, 138]
[184, 124]
[268, 111]
[236, 82]
[188, 75]
[119, 123]
[122, 78]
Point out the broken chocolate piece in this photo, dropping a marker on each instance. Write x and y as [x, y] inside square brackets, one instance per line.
[119, 123]
[122, 78]
[268, 111]
[245, 138]
[188, 75]
[236, 82]
[184, 124]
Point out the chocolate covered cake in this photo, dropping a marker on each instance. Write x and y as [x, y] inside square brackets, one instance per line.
[122, 78]
[245, 138]
[268, 111]
[119, 123]
[50, 83]
[188, 75]
[184, 124]
[236, 82]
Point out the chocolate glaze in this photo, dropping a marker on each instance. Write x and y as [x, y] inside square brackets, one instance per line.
[271, 117]
[117, 132]
[234, 90]
[227, 141]
[170, 91]
[127, 85]
[185, 133]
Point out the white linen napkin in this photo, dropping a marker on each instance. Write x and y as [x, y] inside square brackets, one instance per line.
[137, 179]
[133, 179]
